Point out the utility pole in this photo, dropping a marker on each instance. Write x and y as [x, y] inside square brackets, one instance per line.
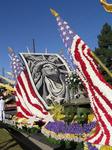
[33, 40]
[3, 72]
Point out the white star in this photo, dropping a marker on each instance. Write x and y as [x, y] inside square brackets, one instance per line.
[65, 44]
[14, 63]
[65, 22]
[58, 18]
[64, 33]
[70, 31]
[21, 68]
[67, 27]
[14, 58]
[59, 23]
[63, 40]
[62, 28]
[17, 60]
[12, 54]
[67, 38]
[14, 66]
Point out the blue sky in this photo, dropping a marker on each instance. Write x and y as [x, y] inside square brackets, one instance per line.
[23, 20]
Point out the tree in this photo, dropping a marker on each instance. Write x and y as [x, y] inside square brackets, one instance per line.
[104, 50]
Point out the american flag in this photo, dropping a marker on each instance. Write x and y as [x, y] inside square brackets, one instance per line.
[99, 91]
[28, 102]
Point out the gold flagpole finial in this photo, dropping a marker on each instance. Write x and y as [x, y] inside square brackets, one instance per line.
[54, 13]
[107, 6]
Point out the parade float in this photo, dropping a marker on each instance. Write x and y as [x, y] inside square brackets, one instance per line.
[48, 91]
[42, 91]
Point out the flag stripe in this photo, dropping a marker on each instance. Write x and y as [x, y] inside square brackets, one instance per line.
[27, 95]
[21, 103]
[43, 103]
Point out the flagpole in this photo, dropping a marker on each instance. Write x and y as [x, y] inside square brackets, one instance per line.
[102, 65]
[55, 14]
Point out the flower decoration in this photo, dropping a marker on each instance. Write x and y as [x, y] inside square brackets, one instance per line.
[106, 147]
[60, 130]
[57, 112]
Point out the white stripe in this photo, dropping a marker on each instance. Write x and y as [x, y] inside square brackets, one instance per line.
[34, 100]
[90, 59]
[89, 93]
[38, 95]
[21, 111]
[22, 102]
[76, 37]
[104, 119]
[103, 140]
[32, 109]
[95, 137]
[104, 104]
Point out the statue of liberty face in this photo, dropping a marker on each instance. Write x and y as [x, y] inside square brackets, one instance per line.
[49, 70]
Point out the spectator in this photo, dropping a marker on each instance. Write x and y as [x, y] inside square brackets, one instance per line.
[2, 107]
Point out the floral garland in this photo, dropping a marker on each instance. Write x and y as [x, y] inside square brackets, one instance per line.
[68, 132]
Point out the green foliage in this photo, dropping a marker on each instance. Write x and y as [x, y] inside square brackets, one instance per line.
[82, 115]
[69, 112]
[76, 114]
[105, 37]
[79, 146]
[66, 144]
[104, 50]
[53, 141]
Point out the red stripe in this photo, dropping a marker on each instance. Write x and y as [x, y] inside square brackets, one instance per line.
[104, 126]
[38, 107]
[32, 89]
[27, 112]
[95, 134]
[20, 115]
[23, 109]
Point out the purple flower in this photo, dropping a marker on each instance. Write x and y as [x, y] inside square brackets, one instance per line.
[88, 127]
[74, 128]
[90, 147]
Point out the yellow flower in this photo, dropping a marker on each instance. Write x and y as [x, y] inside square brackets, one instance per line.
[106, 147]
[57, 112]
[85, 146]
[90, 117]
